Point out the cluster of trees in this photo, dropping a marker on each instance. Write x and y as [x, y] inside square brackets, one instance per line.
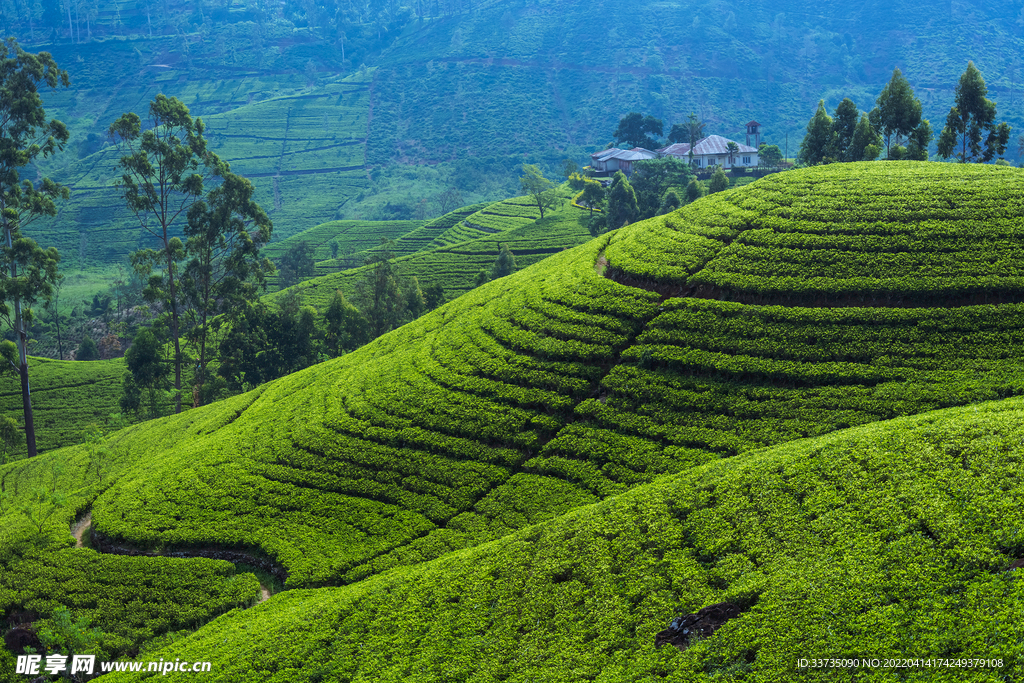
[652, 190]
[169, 178]
[259, 343]
[895, 124]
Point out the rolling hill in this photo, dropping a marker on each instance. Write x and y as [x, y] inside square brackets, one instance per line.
[632, 382]
[461, 100]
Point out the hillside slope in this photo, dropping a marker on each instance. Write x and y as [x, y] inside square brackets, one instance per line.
[67, 397]
[453, 257]
[592, 372]
[888, 541]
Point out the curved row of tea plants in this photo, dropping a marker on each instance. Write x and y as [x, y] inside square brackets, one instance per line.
[887, 541]
[456, 267]
[67, 397]
[886, 234]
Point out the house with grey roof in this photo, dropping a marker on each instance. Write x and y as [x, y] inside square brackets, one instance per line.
[713, 151]
[608, 161]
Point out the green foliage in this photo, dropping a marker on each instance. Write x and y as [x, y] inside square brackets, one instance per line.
[971, 116]
[28, 273]
[892, 539]
[866, 144]
[769, 156]
[379, 297]
[719, 181]
[164, 172]
[635, 130]
[504, 265]
[346, 328]
[844, 126]
[695, 190]
[819, 143]
[622, 204]
[593, 196]
[148, 370]
[65, 396]
[534, 184]
[11, 438]
[652, 178]
[87, 350]
[899, 112]
[296, 264]
[671, 203]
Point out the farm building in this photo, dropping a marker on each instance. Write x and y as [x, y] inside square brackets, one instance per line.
[713, 151]
[607, 162]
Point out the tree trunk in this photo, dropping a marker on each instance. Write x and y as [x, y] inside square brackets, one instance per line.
[26, 401]
[174, 333]
[60, 344]
[22, 339]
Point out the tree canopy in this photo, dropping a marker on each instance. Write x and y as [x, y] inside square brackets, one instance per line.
[635, 129]
[28, 272]
[817, 143]
[971, 117]
[898, 113]
[534, 184]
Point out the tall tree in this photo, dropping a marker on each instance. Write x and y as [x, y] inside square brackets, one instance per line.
[622, 204]
[844, 127]
[817, 144]
[505, 264]
[651, 178]
[164, 171]
[866, 144]
[27, 271]
[971, 116]
[593, 195]
[147, 369]
[346, 328]
[899, 112]
[378, 294]
[635, 129]
[534, 184]
[225, 233]
[769, 156]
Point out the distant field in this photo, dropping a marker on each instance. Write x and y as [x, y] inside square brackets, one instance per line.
[67, 397]
[454, 265]
[303, 151]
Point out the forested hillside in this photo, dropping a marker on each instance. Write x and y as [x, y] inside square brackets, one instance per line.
[461, 92]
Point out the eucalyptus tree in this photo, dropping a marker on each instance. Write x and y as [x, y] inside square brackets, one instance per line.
[225, 269]
[28, 272]
[164, 173]
[971, 117]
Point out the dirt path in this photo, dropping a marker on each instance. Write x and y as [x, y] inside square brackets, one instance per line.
[81, 527]
[264, 593]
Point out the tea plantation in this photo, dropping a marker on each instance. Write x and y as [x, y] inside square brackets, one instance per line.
[67, 396]
[629, 361]
[461, 244]
[890, 540]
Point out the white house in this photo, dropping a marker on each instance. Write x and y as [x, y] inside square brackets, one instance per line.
[713, 151]
[608, 161]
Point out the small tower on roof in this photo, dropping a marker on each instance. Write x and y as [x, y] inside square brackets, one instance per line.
[754, 128]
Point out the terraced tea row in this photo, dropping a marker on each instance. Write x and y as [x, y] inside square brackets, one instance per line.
[455, 268]
[891, 539]
[852, 234]
[67, 397]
